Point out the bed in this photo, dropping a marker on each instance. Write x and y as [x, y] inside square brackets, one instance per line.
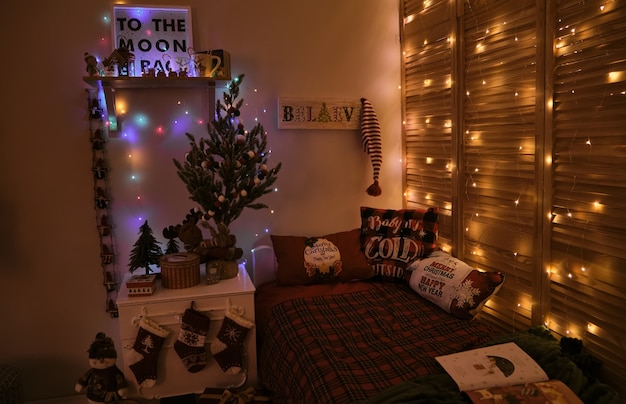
[332, 334]
[347, 342]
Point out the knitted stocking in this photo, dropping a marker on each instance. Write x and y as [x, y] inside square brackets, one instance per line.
[145, 353]
[227, 345]
[191, 339]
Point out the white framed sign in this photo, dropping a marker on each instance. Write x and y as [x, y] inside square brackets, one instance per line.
[318, 113]
[160, 37]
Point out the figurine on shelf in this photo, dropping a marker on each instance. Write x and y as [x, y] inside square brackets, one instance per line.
[183, 66]
[104, 382]
[92, 64]
[123, 59]
[149, 72]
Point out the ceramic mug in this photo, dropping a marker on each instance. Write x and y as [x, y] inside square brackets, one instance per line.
[204, 63]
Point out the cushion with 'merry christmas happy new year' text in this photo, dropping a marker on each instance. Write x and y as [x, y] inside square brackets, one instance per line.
[304, 260]
[392, 239]
[453, 285]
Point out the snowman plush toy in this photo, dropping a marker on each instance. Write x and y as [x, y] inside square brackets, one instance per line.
[104, 382]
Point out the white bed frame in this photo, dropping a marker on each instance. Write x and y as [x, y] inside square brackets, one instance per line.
[263, 264]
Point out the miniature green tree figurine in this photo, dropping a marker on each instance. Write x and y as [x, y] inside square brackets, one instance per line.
[171, 233]
[146, 250]
[227, 171]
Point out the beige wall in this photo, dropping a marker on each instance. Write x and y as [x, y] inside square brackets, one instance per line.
[50, 276]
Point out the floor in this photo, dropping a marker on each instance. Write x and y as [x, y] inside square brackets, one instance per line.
[188, 399]
[80, 399]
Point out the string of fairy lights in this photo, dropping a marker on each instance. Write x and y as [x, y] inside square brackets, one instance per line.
[570, 37]
[486, 37]
[132, 166]
[137, 132]
[140, 126]
[260, 115]
[567, 33]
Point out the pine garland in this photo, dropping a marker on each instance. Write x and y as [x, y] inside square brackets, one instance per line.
[227, 171]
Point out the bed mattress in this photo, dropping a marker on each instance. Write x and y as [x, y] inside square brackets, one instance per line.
[350, 341]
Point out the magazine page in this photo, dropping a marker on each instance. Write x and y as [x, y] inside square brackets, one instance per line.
[497, 365]
[552, 391]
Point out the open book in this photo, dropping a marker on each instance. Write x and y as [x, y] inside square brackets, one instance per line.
[504, 373]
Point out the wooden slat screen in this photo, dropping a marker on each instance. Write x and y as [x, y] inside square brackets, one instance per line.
[498, 147]
[588, 269]
[427, 52]
[515, 127]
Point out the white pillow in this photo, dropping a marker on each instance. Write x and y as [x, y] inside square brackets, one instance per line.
[452, 284]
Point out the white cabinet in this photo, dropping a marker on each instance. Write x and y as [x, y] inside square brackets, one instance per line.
[166, 307]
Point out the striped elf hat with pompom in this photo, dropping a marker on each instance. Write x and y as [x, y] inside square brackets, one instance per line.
[372, 143]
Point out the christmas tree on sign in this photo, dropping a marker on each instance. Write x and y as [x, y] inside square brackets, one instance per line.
[227, 171]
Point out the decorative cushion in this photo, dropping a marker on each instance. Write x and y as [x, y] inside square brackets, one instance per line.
[453, 285]
[331, 258]
[392, 239]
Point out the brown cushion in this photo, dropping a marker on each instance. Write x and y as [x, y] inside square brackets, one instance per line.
[392, 239]
[453, 285]
[331, 258]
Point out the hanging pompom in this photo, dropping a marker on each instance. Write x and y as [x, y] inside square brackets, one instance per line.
[374, 189]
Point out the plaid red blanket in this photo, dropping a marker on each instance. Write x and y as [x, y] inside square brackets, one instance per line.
[344, 347]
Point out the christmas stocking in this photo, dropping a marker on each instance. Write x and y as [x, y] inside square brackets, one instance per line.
[227, 345]
[191, 339]
[145, 353]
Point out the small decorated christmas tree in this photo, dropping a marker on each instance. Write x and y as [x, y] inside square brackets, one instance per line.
[227, 171]
[146, 250]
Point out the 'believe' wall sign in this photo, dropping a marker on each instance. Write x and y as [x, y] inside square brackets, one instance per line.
[159, 37]
[318, 113]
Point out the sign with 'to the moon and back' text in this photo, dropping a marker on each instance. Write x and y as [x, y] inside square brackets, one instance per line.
[160, 37]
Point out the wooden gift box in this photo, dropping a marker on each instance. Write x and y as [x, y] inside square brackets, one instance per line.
[214, 396]
[141, 285]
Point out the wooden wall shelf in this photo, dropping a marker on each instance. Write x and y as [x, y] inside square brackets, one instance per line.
[152, 82]
[110, 84]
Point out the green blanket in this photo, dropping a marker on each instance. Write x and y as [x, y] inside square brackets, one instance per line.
[538, 343]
